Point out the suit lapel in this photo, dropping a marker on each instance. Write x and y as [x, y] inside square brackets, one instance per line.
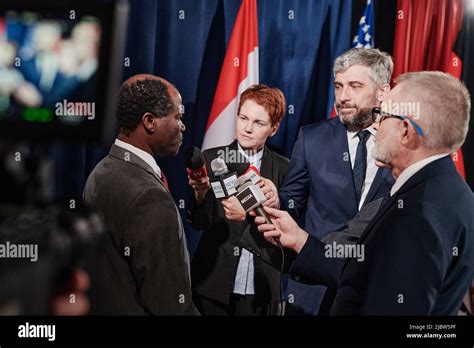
[233, 146]
[438, 167]
[369, 227]
[128, 156]
[379, 179]
[377, 216]
[267, 164]
[343, 146]
[342, 156]
[434, 168]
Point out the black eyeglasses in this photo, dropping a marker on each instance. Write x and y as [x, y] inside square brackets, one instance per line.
[379, 115]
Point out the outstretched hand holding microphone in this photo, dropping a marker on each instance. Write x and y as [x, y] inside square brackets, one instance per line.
[282, 227]
[252, 200]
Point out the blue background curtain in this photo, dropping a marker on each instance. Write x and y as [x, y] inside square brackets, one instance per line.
[298, 42]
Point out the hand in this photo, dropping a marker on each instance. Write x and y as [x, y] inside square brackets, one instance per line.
[233, 209]
[63, 304]
[284, 227]
[271, 193]
[200, 187]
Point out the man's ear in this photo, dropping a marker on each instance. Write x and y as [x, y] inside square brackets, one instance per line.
[382, 92]
[408, 134]
[148, 121]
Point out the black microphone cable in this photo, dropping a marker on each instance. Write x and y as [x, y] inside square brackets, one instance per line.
[277, 240]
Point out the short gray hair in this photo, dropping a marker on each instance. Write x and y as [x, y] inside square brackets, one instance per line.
[446, 106]
[380, 63]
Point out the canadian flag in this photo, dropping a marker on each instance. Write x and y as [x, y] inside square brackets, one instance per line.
[239, 71]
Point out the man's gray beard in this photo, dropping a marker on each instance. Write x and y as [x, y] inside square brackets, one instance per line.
[384, 151]
[360, 120]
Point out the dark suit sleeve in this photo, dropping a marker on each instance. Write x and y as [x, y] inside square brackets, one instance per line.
[356, 226]
[408, 269]
[346, 236]
[295, 189]
[253, 241]
[202, 216]
[311, 266]
[154, 236]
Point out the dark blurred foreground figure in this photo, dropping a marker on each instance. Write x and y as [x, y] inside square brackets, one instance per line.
[42, 253]
[143, 265]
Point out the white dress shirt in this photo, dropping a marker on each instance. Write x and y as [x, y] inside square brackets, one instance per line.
[353, 141]
[149, 159]
[412, 170]
[244, 278]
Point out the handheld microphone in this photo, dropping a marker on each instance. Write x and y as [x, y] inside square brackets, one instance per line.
[240, 168]
[195, 164]
[253, 173]
[223, 182]
[251, 196]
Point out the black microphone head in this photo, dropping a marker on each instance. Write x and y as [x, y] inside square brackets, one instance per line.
[193, 158]
[238, 167]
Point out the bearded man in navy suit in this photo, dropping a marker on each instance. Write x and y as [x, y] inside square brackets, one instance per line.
[330, 175]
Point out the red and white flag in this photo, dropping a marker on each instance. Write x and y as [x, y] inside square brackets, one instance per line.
[239, 71]
[425, 37]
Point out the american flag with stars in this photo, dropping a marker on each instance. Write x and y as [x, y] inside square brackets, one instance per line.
[365, 33]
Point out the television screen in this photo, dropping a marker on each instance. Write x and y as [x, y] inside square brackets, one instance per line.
[59, 68]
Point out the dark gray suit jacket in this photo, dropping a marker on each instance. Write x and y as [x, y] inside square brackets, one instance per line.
[142, 266]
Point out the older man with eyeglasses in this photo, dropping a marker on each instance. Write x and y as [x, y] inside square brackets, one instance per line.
[418, 249]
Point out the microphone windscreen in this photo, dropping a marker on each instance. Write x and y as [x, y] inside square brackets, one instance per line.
[193, 158]
[238, 167]
[242, 182]
[218, 166]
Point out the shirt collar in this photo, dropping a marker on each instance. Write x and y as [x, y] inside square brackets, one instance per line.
[140, 153]
[352, 134]
[254, 158]
[412, 170]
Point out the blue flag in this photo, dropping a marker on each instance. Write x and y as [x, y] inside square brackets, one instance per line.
[365, 33]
